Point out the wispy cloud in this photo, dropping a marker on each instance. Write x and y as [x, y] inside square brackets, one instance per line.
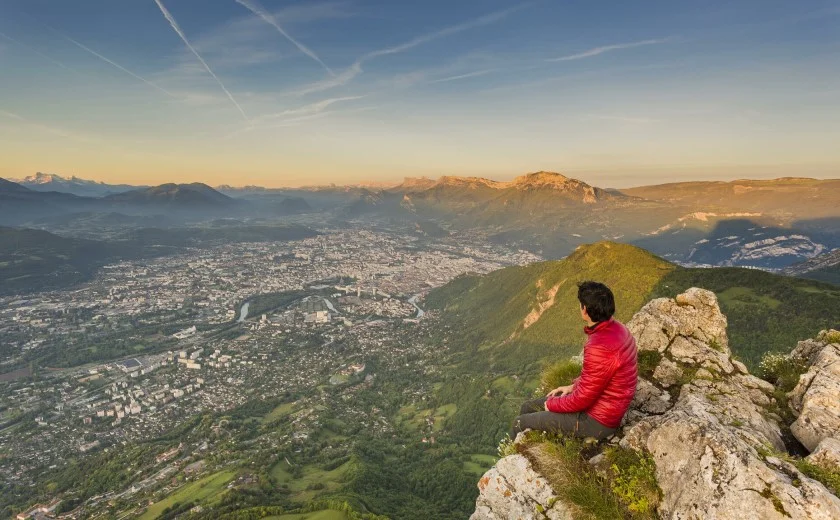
[464, 76]
[343, 78]
[608, 48]
[117, 65]
[447, 31]
[47, 128]
[180, 33]
[356, 68]
[260, 11]
[35, 51]
[312, 108]
[295, 116]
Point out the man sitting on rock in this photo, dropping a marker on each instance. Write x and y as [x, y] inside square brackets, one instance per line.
[595, 403]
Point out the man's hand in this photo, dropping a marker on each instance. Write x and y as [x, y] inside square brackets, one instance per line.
[560, 391]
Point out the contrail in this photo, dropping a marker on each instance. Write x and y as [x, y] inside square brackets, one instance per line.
[180, 33]
[117, 65]
[607, 48]
[257, 9]
[356, 68]
[446, 31]
[464, 76]
[36, 51]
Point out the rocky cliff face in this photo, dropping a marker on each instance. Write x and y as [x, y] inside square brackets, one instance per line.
[715, 433]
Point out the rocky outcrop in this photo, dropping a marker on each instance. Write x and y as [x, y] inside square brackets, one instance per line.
[711, 428]
[512, 489]
[816, 399]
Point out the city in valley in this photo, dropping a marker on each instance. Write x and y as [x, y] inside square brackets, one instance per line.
[177, 344]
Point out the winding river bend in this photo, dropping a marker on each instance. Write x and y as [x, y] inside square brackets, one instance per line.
[413, 301]
[243, 312]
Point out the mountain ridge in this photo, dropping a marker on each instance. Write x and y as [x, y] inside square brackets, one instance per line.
[74, 185]
[194, 194]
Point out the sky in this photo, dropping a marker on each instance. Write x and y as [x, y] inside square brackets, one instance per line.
[292, 92]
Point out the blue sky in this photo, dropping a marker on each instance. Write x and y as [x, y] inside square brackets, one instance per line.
[288, 92]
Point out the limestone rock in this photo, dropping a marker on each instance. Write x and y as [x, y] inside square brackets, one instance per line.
[707, 470]
[667, 373]
[692, 314]
[807, 350]
[827, 454]
[816, 398]
[512, 489]
[709, 426]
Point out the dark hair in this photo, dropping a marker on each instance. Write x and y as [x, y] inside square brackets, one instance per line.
[598, 300]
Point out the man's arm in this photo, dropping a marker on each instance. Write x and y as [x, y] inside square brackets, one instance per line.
[598, 368]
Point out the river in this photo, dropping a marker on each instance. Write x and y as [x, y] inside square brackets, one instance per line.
[413, 301]
[243, 313]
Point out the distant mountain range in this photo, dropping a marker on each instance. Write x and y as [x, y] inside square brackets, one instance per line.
[757, 223]
[21, 204]
[74, 185]
[195, 195]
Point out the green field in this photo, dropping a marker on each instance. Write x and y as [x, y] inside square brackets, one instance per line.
[308, 485]
[747, 296]
[279, 412]
[197, 491]
[504, 384]
[479, 463]
[442, 413]
[409, 416]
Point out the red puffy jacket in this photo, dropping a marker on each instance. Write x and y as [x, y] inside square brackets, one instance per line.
[607, 382]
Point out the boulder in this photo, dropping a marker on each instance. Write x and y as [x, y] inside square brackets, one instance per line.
[512, 489]
[692, 314]
[706, 469]
[827, 454]
[816, 398]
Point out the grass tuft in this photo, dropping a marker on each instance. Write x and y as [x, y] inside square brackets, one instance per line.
[628, 489]
[633, 480]
[559, 374]
[648, 360]
[831, 336]
[830, 478]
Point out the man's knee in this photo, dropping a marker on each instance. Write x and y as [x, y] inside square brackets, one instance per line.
[532, 406]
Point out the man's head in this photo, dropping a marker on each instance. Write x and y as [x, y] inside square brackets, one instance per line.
[597, 303]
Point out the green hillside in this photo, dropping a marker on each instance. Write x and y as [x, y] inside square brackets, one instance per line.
[826, 274]
[510, 320]
[497, 359]
[766, 312]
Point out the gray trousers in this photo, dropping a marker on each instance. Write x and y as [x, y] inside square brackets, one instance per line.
[579, 424]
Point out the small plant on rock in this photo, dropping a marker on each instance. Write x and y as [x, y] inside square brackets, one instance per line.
[831, 336]
[633, 480]
[830, 478]
[506, 447]
[782, 370]
[648, 360]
